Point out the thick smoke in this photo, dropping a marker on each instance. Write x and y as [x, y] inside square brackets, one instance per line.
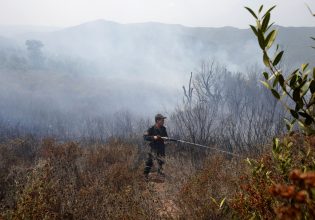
[94, 70]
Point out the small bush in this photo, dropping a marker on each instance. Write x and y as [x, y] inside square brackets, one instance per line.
[204, 195]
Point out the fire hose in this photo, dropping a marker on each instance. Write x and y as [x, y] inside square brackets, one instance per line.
[199, 145]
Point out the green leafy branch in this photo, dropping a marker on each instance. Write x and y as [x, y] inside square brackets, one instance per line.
[298, 86]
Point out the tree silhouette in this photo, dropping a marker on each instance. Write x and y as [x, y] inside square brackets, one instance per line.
[35, 53]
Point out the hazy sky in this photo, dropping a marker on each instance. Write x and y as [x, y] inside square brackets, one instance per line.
[214, 13]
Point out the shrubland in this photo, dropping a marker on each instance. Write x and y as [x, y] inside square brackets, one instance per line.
[272, 177]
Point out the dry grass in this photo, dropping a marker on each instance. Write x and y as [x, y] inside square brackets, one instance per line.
[51, 180]
[69, 181]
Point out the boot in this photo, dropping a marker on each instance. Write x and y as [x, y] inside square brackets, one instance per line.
[146, 177]
[160, 173]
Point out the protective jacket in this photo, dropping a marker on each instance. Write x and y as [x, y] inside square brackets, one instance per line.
[157, 146]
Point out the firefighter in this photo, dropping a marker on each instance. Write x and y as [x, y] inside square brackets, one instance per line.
[154, 136]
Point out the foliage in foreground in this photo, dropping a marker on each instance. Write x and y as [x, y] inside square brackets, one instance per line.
[295, 90]
[73, 181]
[282, 184]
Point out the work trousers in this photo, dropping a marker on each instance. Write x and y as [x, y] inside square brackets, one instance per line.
[154, 155]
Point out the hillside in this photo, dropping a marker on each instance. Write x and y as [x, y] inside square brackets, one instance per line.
[156, 46]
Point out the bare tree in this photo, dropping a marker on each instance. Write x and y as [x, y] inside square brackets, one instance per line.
[229, 110]
[194, 119]
[35, 54]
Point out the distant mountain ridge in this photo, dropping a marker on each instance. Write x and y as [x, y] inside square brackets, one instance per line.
[110, 42]
[142, 66]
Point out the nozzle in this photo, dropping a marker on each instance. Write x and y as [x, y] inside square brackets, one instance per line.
[169, 139]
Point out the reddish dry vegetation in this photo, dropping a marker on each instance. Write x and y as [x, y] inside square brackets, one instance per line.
[68, 181]
[51, 180]
[280, 185]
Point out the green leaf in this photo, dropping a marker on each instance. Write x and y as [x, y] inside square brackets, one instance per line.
[308, 119]
[296, 95]
[298, 106]
[303, 114]
[305, 88]
[260, 9]
[287, 121]
[261, 39]
[258, 24]
[214, 200]
[266, 75]
[307, 129]
[299, 80]
[295, 71]
[278, 58]
[293, 78]
[269, 10]
[222, 202]
[304, 66]
[270, 26]
[252, 12]
[271, 38]
[294, 114]
[293, 121]
[281, 81]
[305, 74]
[266, 84]
[312, 86]
[275, 93]
[253, 29]
[266, 59]
[265, 22]
[276, 80]
[289, 125]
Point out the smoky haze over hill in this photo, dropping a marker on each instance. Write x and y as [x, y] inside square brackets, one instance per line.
[102, 67]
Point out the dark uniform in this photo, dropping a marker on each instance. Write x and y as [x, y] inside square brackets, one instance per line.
[157, 151]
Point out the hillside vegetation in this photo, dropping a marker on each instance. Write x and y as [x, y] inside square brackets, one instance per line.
[95, 170]
[50, 180]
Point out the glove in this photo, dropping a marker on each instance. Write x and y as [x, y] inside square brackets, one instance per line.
[157, 138]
